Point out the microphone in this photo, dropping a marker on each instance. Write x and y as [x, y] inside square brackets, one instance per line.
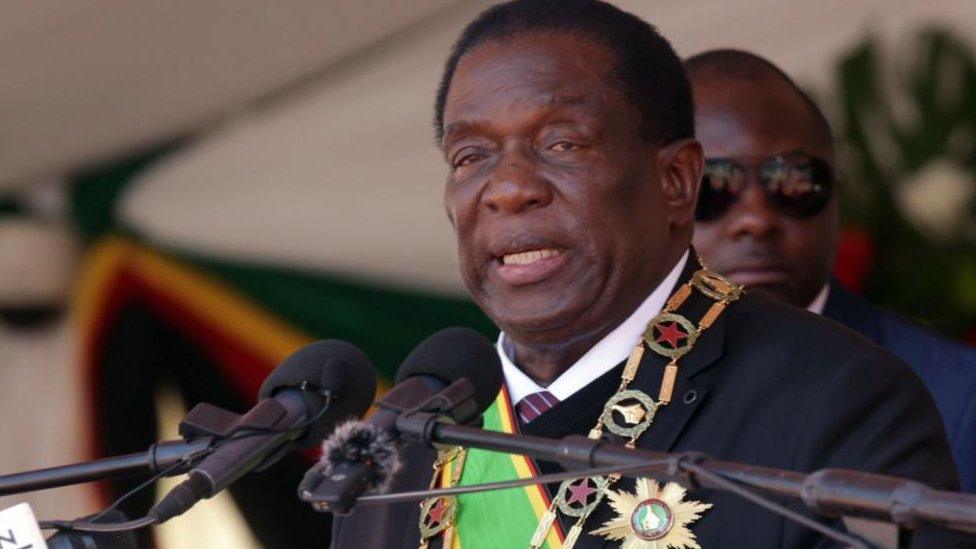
[74, 539]
[304, 397]
[455, 372]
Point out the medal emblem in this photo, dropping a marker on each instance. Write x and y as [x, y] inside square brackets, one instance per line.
[671, 335]
[578, 497]
[436, 515]
[653, 518]
[715, 286]
[635, 409]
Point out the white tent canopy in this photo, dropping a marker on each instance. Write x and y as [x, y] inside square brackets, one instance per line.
[86, 80]
[340, 173]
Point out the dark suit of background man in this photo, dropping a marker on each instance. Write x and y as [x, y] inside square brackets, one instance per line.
[573, 172]
[748, 113]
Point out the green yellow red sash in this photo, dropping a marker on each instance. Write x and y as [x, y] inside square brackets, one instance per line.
[499, 518]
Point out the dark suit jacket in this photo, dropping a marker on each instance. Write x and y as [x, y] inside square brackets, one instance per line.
[767, 384]
[946, 367]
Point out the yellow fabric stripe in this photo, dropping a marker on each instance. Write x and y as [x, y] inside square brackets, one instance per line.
[524, 470]
[450, 541]
[94, 275]
[268, 337]
[216, 303]
[219, 305]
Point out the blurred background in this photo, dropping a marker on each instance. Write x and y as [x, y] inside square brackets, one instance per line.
[191, 190]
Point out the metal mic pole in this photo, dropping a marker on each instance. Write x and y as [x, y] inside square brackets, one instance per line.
[831, 491]
[159, 457]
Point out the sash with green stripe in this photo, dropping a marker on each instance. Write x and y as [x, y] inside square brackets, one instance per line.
[500, 518]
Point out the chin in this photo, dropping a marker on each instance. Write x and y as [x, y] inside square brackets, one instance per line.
[556, 308]
[533, 320]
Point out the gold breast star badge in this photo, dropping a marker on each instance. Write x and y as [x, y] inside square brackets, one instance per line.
[653, 518]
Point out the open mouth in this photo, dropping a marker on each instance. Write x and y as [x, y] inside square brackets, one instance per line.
[528, 266]
[529, 257]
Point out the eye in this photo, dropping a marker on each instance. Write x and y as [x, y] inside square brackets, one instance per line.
[564, 146]
[466, 157]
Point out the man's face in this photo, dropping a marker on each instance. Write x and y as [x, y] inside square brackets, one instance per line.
[754, 243]
[555, 198]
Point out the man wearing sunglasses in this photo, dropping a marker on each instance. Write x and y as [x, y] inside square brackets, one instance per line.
[767, 217]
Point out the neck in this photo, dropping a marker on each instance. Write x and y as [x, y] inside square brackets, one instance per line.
[545, 360]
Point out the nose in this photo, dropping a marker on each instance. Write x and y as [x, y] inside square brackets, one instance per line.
[753, 215]
[515, 186]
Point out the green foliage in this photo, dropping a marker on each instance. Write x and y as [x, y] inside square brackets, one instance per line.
[892, 127]
[95, 195]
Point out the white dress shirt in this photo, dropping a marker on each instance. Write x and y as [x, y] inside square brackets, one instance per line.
[602, 357]
[819, 302]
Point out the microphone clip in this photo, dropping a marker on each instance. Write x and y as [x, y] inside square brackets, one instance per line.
[207, 420]
[456, 401]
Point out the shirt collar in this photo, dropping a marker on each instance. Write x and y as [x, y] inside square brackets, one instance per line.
[602, 357]
[819, 302]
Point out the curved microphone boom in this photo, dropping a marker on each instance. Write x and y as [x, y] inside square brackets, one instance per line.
[455, 372]
[314, 388]
[70, 539]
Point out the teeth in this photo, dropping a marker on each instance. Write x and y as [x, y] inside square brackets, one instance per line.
[531, 256]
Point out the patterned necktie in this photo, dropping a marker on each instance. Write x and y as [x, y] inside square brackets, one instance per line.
[532, 406]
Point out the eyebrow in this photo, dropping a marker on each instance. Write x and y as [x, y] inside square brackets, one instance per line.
[552, 103]
[461, 126]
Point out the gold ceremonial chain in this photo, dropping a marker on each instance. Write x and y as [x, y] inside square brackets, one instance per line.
[668, 334]
[437, 515]
[680, 336]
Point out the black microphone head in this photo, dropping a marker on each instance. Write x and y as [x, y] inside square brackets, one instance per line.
[455, 353]
[328, 365]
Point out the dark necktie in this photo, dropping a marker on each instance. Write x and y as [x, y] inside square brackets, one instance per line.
[532, 406]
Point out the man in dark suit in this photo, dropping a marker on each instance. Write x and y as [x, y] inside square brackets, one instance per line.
[749, 114]
[573, 173]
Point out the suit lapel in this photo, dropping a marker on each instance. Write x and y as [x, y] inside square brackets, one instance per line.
[691, 389]
[853, 312]
[692, 384]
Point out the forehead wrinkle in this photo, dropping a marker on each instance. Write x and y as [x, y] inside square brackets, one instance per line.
[489, 85]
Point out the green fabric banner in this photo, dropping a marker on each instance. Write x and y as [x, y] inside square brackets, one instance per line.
[498, 518]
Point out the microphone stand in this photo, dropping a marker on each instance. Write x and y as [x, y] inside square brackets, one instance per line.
[203, 428]
[159, 457]
[832, 492]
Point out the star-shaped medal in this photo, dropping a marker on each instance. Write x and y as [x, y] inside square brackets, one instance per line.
[580, 492]
[670, 334]
[437, 512]
[578, 497]
[653, 518]
[436, 515]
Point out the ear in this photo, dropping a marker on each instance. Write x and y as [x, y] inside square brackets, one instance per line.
[680, 164]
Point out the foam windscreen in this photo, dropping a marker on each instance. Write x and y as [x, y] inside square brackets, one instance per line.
[455, 353]
[330, 365]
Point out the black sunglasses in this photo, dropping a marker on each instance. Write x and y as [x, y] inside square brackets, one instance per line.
[796, 186]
